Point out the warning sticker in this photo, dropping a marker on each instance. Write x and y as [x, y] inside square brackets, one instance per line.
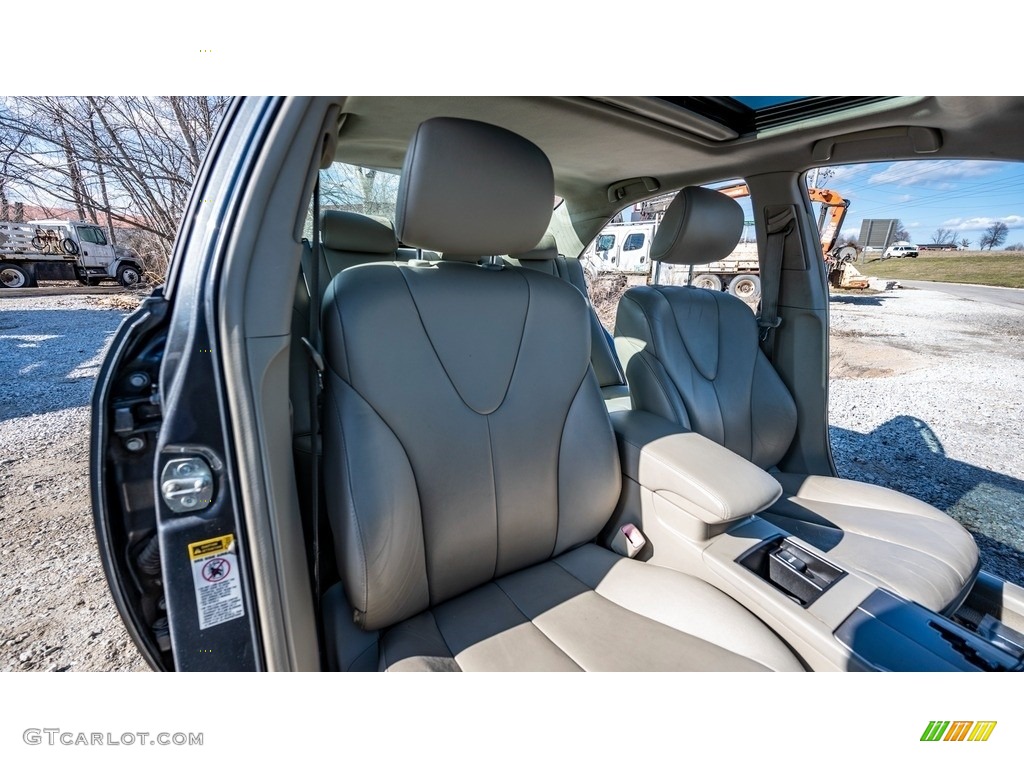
[216, 579]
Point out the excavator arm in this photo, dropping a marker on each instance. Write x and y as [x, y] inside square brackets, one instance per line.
[830, 221]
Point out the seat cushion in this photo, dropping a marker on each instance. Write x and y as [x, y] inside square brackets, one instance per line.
[588, 609]
[895, 540]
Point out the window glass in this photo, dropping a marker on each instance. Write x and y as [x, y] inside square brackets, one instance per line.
[358, 189]
[89, 235]
[605, 242]
[634, 242]
[925, 362]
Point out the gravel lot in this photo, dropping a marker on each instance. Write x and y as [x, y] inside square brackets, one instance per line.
[56, 612]
[925, 398]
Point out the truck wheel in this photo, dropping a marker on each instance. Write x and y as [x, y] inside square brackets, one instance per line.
[128, 276]
[711, 282]
[16, 276]
[746, 287]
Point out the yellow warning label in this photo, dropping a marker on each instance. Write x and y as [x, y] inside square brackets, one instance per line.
[203, 549]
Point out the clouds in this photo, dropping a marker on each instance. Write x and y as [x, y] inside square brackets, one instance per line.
[977, 223]
[937, 174]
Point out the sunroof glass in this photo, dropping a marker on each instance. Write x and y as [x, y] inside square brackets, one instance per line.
[760, 102]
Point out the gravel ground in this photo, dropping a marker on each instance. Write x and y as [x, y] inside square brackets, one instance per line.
[926, 398]
[56, 612]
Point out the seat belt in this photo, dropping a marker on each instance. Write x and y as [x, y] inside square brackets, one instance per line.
[316, 386]
[779, 228]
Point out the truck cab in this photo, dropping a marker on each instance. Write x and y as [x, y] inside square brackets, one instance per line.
[621, 247]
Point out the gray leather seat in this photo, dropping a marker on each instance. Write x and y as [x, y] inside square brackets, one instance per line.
[692, 356]
[544, 257]
[469, 461]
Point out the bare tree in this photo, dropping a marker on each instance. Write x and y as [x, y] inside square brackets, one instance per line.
[994, 236]
[129, 160]
[900, 232]
[965, 243]
[944, 236]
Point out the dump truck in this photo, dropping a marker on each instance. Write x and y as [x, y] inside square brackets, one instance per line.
[60, 249]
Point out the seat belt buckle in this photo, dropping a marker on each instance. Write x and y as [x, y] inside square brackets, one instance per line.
[767, 326]
[318, 361]
[629, 541]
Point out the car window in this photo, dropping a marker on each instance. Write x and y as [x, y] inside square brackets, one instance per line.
[358, 189]
[610, 273]
[924, 342]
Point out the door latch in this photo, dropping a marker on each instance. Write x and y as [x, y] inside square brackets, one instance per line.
[186, 485]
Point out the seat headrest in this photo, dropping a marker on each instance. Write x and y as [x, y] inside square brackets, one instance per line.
[700, 226]
[346, 231]
[471, 190]
[545, 250]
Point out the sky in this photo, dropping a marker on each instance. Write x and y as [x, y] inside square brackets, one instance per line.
[963, 195]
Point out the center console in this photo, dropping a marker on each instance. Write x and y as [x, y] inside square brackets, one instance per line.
[697, 505]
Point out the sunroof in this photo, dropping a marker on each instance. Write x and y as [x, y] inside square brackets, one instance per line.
[748, 114]
[760, 102]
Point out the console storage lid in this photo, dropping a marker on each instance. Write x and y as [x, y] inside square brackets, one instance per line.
[698, 475]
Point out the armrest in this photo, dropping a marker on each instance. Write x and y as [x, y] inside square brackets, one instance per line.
[696, 474]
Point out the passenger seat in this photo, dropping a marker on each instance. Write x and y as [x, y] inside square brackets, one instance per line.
[692, 356]
[469, 462]
[545, 258]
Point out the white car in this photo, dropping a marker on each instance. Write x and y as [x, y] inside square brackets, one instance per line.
[900, 250]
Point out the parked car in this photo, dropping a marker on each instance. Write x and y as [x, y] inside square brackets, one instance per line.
[901, 250]
[338, 453]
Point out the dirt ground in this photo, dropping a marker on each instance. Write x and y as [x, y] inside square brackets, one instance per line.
[56, 612]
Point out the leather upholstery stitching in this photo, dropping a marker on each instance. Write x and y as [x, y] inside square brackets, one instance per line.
[558, 465]
[534, 625]
[444, 640]
[352, 502]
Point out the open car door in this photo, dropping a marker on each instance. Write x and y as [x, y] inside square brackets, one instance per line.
[164, 486]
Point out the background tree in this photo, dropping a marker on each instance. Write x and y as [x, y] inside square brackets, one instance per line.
[965, 243]
[1015, 247]
[944, 236]
[994, 236]
[124, 162]
[900, 232]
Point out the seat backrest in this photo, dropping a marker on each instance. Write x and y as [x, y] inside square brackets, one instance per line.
[346, 239]
[462, 439]
[692, 355]
[545, 258]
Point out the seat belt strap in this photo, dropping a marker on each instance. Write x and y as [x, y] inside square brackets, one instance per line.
[779, 228]
[316, 385]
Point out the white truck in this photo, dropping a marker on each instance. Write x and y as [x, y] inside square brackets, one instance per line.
[59, 249]
[626, 247]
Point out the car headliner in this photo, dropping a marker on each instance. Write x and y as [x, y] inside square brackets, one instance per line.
[593, 143]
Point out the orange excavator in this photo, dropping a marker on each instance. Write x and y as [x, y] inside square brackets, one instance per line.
[834, 206]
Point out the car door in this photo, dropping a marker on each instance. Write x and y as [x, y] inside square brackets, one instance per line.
[163, 475]
[96, 251]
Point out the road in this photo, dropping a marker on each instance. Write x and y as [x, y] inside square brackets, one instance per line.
[61, 290]
[1003, 297]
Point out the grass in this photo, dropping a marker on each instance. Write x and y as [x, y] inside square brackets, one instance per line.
[1002, 268]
